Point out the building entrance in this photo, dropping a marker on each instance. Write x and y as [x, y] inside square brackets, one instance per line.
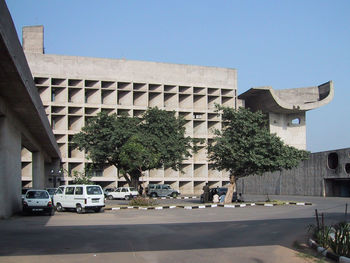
[337, 187]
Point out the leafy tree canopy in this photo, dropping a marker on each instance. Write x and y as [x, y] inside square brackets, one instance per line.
[134, 145]
[245, 146]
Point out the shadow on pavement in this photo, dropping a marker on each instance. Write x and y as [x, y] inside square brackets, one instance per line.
[45, 240]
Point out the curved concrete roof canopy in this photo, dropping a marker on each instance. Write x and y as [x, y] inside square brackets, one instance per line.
[295, 100]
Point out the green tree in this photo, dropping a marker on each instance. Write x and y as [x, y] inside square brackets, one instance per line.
[80, 177]
[245, 147]
[135, 145]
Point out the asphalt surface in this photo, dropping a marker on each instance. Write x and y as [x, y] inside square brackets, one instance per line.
[250, 234]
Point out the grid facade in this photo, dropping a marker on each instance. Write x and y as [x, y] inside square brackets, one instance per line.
[69, 103]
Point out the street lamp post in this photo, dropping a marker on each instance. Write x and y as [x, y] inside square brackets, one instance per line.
[54, 175]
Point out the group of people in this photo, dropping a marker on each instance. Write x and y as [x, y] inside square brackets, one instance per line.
[215, 197]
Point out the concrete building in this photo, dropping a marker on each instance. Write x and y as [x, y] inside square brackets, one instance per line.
[286, 109]
[323, 174]
[75, 88]
[23, 121]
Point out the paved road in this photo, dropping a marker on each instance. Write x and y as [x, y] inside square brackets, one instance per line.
[251, 234]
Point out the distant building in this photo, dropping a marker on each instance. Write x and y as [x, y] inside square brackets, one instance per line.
[324, 174]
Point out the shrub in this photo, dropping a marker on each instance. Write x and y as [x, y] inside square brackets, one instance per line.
[340, 241]
[141, 201]
[336, 237]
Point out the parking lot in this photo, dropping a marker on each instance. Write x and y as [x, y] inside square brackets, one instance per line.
[249, 234]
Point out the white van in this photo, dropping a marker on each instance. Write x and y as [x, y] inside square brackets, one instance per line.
[80, 197]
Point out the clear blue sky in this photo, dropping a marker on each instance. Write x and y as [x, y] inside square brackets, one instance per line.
[283, 44]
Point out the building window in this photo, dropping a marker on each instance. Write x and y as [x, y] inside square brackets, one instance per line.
[296, 121]
[53, 95]
[333, 160]
[347, 168]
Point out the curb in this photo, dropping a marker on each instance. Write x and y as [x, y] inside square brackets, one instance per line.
[328, 254]
[190, 207]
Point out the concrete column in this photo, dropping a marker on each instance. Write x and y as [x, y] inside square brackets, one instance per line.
[10, 169]
[38, 170]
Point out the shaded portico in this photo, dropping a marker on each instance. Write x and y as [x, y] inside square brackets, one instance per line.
[23, 121]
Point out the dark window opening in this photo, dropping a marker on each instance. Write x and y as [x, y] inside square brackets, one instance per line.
[347, 168]
[333, 160]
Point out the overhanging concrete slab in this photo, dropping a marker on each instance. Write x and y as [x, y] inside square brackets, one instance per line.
[296, 100]
[18, 91]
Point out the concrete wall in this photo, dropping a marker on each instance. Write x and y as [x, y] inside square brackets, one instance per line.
[291, 128]
[130, 70]
[10, 168]
[307, 179]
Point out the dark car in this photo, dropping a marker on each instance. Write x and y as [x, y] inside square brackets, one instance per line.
[220, 191]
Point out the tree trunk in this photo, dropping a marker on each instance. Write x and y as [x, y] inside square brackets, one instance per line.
[231, 189]
[134, 178]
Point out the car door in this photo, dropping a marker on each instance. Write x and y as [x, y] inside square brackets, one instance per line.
[166, 190]
[78, 196]
[124, 192]
[69, 197]
[59, 196]
[117, 193]
[159, 190]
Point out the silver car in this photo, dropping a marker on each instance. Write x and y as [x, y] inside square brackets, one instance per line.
[155, 190]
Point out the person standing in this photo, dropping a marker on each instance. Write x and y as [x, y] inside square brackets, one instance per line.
[140, 190]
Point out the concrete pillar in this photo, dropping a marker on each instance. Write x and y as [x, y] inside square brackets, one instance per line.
[10, 169]
[38, 171]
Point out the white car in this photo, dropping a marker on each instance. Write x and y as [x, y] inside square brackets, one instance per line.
[38, 201]
[79, 197]
[123, 193]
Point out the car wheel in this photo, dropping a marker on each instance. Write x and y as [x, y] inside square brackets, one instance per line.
[110, 197]
[79, 209]
[153, 195]
[174, 194]
[127, 197]
[59, 207]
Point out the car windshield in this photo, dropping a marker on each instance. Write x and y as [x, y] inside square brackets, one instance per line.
[93, 190]
[37, 195]
[132, 189]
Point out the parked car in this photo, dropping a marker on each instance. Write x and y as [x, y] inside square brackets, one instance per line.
[106, 191]
[38, 201]
[155, 190]
[79, 197]
[123, 193]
